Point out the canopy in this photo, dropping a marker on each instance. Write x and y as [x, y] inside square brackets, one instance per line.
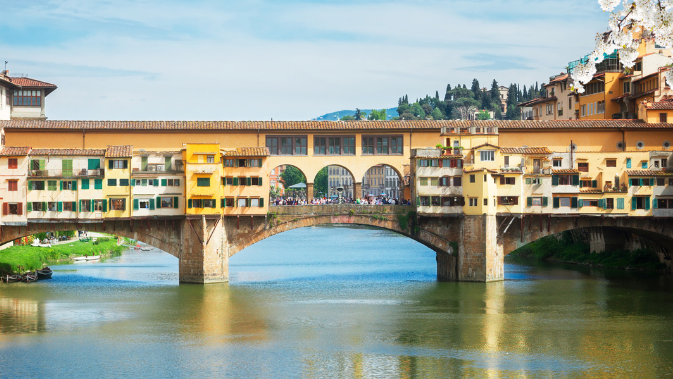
[298, 185]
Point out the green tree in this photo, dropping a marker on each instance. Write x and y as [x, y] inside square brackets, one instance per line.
[418, 111]
[320, 182]
[358, 114]
[437, 114]
[291, 176]
[495, 92]
[347, 118]
[465, 106]
[378, 115]
[483, 115]
[402, 109]
[498, 113]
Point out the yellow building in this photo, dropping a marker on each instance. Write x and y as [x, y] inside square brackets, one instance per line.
[245, 181]
[203, 168]
[117, 183]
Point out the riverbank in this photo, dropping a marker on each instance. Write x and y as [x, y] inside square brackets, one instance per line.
[31, 258]
[565, 250]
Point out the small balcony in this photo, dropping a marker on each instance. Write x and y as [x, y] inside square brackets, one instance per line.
[81, 173]
[560, 112]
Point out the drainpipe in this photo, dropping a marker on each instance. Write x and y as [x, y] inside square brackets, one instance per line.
[572, 165]
[83, 140]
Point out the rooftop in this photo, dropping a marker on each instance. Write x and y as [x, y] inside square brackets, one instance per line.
[68, 152]
[10, 151]
[123, 151]
[525, 150]
[248, 152]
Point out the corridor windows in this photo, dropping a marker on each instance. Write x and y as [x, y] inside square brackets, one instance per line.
[474, 201]
[334, 145]
[508, 200]
[286, 145]
[382, 145]
[453, 201]
[201, 203]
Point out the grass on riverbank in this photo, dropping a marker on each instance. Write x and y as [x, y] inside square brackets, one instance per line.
[31, 258]
[565, 250]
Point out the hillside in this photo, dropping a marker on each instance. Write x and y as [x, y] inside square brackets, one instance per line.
[390, 112]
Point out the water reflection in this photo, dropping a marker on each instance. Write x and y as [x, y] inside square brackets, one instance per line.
[366, 306]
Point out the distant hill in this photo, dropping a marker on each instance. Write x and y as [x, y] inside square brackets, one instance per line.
[334, 116]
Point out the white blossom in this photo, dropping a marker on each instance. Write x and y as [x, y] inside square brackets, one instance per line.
[652, 16]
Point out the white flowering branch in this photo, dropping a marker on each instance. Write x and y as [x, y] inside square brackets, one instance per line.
[653, 16]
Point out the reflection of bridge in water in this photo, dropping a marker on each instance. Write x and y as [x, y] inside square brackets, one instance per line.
[469, 248]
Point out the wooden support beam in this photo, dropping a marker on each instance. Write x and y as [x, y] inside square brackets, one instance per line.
[213, 231]
[194, 230]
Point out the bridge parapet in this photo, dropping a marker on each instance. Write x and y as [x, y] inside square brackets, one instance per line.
[339, 209]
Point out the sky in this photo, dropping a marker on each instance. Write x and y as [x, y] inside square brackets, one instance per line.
[281, 60]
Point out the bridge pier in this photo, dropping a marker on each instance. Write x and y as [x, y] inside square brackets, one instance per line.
[480, 255]
[203, 258]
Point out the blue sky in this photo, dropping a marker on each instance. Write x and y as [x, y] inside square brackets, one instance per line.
[286, 60]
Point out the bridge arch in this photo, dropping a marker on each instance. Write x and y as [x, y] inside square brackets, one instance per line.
[326, 182]
[383, 172]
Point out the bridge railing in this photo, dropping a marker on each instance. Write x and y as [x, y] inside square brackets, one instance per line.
[339, 209]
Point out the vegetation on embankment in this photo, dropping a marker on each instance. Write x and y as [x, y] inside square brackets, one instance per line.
[564, 249]
[30, 258]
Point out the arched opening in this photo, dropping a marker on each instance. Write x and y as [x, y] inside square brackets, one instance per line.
[287, 185]
[383, 183]
[335, 253]
[334, 184]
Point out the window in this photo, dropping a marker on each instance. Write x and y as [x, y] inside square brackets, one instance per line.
[627, 87]
[590, 203]
[28, 98]
[210, 159]
[563, 180]
[229, 162]
[13, 163]
[51, 185]
[112, 182]
[84, 206]
[533, 180]
[254, 202]
[118, 164]
[664, 162]
[434, 182]
[99, 205]
[229, 202]
[117, 204]
[485, 202]
[664, 203]
[242, 202]
[435, 201]
[508, 200]
[611, 163]
[473, 178]
[143, 204]
[453, 201]
[203, 182]
[487, 155]
[255, 181]
[556, 162]
[564, 201]
[287, 145]
[37, 206]
[583, 167]
[168, 202]
[535, 201]
[457, 181]
[423, 181]
[12, 208]
[641, 202]
[12, 185]
[507, 181]
[589, 183]
[382, 145]
[36, 185]
[367, 145]
[473, 202]
[123, 182]
[69, 206]
[609, 203]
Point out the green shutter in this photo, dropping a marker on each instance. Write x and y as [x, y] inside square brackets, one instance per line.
[189, 203]
[44, 206]
[545, 202]
[110, 164]
[29, 206]
[641, 182]
[98, 184]
[643, 165]
[91, 205]
[573, 202]
[634, 203]
[60, 185]
[556, 202]
[152, 204]
[605, 204]
[580, 203]
[30, 185]
[74, 185]
[175, 202]
[528, 181]
[620, 203]
[249, 181]
[235, 181]
[235, 162]
[529, 201]
[164, 182]
[651, 182]
[554, 180]
[418, 201]
[85, 184]
[93, 164]
[80, 205]
[628, 162]
[647, 203]
[41, 164]
[594, 183]
[581, 185]
[222, 203]
[104, 205]
[74, 206]
[576, 180]
[261, 201]
[654, 203]
[224, 182]
[59, 206]
[133, 182]
[158, 202]
[259, 180]
[248, 201]
[136, 204]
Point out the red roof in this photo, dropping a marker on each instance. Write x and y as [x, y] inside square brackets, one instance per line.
[28, 82]
[648, 173]
[248, 152]
[565, 171]
[621, 97]
[119, 151]
[666, 104]
[68, 152]
[12, 151]
[525, 150]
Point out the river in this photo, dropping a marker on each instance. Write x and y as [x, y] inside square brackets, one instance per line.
[336, 301]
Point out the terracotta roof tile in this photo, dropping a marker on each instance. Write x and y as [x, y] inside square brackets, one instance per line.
[28, 82]
[565, 171]
[68, 152]
[525, 150]
[648, 173]
[480, 170]
[666, 104]
[123, 151]
[327, 125]
[591, 190]
[11, 151]
[248, 152]
[615, 99]
[147, 152]
[485, 144]
[539, 100]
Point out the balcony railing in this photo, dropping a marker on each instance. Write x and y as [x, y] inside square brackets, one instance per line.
[81, 173]
[470, 130]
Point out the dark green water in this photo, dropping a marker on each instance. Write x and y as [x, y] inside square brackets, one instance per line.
[335, 302]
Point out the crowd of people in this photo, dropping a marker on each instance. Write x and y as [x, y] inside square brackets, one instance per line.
[370, 200]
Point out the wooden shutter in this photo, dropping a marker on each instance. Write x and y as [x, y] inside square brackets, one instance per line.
[29, 206]
[164, 182]
[259, 181]
[576, 180]
[175, 202]
[261, 202]
[5, 209]
[647, 203]
[545, 201]
[59, 206]
[529, 201]
[110, 164]
[189, 203]
[554, 180]
[126, 164]
[158, 202]
[19, 209]
[152, 204]
[556, 202]
[136, 204]
[74, 206]
[104, 205]
[502, 180]
[573, 202]
[516, 200]
[74, 185]
[594, 183]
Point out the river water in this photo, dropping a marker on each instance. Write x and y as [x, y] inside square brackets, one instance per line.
[327, 302]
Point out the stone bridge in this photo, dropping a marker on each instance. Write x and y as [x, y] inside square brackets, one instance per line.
[469, 248]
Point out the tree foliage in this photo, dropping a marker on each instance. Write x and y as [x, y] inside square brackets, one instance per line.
[291, 176]
[320, 182]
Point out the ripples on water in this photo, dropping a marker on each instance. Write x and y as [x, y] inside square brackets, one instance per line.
[335, 302]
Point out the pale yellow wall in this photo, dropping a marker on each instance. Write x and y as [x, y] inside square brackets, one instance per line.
[247, 191]
[117, 192]
[196, 166]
